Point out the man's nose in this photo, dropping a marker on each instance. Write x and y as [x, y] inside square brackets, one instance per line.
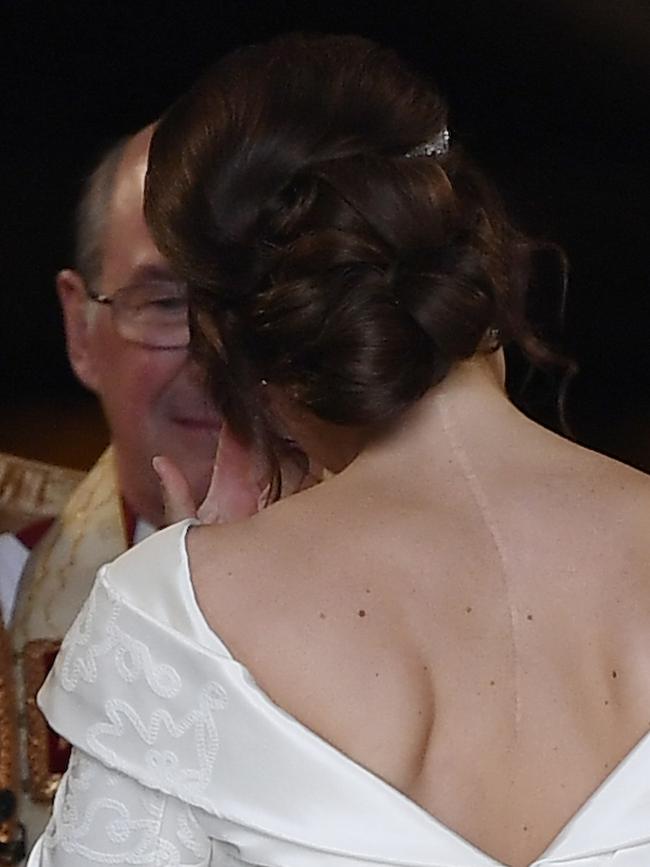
[194, 374]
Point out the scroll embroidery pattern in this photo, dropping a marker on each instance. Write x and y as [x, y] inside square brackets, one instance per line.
[164, 737]
[165, 767]
[79, 655]
[107, 829]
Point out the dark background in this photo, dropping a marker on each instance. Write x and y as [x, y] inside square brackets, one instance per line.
[550, 97]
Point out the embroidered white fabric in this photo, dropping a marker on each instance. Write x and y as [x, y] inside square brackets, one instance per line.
[180, 759]
[103, 817]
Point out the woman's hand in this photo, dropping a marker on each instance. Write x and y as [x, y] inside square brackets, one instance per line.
[177, 499]
[238, 487]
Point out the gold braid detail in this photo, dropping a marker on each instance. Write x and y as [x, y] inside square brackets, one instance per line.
[12, 845]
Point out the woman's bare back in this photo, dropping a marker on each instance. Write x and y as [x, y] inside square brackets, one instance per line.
[465, 611]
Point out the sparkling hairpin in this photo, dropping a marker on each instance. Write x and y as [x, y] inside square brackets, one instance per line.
[434, 148]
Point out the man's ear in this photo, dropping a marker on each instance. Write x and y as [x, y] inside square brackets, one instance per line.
[71, 289]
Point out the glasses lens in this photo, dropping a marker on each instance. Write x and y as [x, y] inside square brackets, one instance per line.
[154, 314]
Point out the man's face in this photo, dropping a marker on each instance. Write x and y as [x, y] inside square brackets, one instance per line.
[153, 398]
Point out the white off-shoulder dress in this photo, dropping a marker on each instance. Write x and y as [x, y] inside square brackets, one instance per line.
[180, 759]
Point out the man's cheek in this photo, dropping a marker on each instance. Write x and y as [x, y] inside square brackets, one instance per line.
[155, 373]
[137, 384]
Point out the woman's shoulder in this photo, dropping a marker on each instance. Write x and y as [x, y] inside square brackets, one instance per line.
[293, 529]
[544, 461]
[586, 510]
[605, 482]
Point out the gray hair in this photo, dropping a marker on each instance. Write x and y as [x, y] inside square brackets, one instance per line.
[92, 212]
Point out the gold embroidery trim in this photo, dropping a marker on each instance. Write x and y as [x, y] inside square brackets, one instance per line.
[42, 781]
[8, 733]
[54, 579]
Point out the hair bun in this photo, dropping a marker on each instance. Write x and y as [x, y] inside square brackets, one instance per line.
[452, 300]
[334, 253]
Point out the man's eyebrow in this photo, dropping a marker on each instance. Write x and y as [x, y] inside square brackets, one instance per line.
[151, 273]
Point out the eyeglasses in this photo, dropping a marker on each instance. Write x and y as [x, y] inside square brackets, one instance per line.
[153, 314]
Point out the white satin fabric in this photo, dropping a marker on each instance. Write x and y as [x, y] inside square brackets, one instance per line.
[180, 759]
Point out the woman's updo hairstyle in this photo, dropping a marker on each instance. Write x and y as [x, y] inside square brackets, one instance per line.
[323, 253]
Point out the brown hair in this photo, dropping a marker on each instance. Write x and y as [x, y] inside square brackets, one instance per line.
[321, 256]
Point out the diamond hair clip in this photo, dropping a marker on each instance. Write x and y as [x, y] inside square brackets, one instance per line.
[437, 147]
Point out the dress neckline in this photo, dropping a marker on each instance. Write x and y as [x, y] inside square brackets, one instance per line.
[484, 859]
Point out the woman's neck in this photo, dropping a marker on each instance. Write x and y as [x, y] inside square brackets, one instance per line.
[471, 398]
